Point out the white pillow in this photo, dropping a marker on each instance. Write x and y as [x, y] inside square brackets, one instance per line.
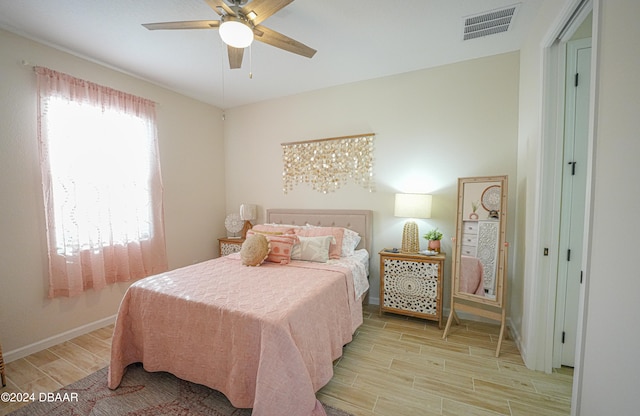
[313, 248]
[350, 241]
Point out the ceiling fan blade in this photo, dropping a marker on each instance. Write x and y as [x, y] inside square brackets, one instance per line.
[263, 9]
[193, 24]
[235, 57]
[219, 5]
[273, 38]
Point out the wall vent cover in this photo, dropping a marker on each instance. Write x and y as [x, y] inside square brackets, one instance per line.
[489, 23]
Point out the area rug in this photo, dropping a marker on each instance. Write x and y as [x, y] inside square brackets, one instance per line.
[140, 394]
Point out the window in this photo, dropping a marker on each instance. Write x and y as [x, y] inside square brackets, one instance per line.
[99, 168]
[102, 186]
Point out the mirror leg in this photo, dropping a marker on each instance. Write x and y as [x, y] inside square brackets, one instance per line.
[504, 320]
[452, 316]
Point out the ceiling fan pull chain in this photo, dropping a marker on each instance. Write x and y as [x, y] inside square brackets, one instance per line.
[222, 45]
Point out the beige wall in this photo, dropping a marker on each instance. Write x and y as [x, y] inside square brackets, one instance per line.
[432, 126]
[192, 160]
[610, 366]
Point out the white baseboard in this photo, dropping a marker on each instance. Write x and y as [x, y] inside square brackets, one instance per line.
[517, 337]
[56, 339]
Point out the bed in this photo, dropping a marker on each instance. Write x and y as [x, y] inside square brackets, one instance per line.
[264, 336]
[471, 275]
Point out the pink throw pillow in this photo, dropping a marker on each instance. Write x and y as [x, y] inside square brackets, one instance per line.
[281, 246]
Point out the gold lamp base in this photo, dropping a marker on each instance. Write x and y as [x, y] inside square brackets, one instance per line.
[410, 240]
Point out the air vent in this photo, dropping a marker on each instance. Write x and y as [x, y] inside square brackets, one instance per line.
[489, 23]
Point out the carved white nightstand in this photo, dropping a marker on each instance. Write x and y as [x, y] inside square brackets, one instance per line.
[411, 284]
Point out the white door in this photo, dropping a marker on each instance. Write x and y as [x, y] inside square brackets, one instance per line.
[574, 186]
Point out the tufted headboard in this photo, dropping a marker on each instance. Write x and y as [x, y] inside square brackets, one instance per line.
[360, 221]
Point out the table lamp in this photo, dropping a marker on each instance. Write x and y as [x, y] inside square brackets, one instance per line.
[247, 214]
[412, 206]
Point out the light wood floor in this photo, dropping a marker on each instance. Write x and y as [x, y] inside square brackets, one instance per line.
[49, 370]
[401, 366]
[394, 366]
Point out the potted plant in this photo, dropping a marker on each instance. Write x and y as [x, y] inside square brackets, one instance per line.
[434, 237]
[474, 207]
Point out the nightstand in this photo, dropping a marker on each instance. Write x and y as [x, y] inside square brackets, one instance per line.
[411, 284]
[229, 245]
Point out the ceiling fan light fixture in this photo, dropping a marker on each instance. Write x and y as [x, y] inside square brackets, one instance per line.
[235, 32]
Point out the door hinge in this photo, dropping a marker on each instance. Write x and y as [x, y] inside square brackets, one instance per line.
[569, 255]
[577, 76]
[573, 168]
[580, 276]
[563, 336]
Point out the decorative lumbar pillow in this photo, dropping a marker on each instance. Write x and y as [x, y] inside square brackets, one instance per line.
[280, 245]
[255, 250]
[335, 249]
[313, 248]
[350, 240]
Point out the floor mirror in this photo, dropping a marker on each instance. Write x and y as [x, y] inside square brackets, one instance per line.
[478, 273]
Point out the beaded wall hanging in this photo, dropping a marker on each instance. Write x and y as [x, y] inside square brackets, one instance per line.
[327, 164]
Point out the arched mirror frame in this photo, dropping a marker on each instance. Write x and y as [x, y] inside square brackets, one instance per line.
[487, 307]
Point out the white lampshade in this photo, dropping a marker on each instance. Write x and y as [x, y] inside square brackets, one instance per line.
[413, 206]
[248, 212]
[236, 33]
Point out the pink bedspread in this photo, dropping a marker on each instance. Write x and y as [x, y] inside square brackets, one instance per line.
[471, 275]
[264, 336]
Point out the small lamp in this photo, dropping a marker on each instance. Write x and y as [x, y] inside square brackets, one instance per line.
[247, 213]
[412, 206]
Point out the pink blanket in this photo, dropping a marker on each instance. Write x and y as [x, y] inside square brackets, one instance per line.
[471, 276]
[264, 336]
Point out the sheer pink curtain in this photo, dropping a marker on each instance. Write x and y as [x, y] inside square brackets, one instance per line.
[101, 183]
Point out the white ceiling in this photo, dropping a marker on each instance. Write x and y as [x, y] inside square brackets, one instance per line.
[355, 39]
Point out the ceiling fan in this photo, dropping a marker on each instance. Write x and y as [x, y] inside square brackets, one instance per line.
[239, 25]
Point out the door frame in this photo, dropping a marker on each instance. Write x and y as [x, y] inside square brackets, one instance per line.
[547, 207]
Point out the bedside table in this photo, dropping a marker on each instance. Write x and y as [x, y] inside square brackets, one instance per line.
[229, 245]
[411, 284]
